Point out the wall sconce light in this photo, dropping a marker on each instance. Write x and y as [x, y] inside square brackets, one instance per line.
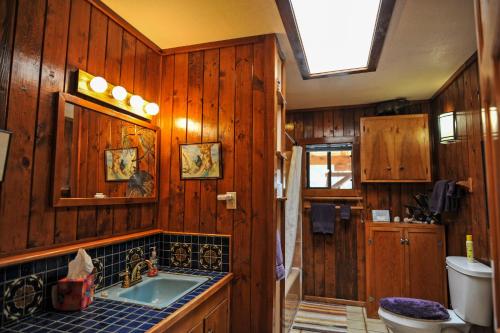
[447, 127]
[119, 93]
[152, 109]
[97, 88]
[98, 84]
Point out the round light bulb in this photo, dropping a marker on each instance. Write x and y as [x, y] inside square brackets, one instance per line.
[98, 84]
[136, 101]
[119, 93]
[152, 109]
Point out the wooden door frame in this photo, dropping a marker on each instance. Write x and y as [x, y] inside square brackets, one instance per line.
[487, 14]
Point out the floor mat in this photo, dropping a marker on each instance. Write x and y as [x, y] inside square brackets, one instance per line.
[320, 318]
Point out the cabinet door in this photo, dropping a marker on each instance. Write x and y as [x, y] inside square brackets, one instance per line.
[198, 328]
[377, 149]
[412, 156]
[425, 264]
[217, 321]
[385, 265]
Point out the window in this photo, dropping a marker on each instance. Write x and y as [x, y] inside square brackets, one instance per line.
[332, 37]
[329, 166]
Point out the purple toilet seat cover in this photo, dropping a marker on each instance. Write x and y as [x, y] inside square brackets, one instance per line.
[415, 308]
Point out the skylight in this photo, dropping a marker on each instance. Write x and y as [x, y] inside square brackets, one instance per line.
[331, 37]
[336, 35]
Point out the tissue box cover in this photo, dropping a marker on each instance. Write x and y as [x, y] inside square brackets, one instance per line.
[73, 294]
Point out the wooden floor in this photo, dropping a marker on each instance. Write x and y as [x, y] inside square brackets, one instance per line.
[328, 318]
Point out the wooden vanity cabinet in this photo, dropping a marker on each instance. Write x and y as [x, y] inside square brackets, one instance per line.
[404, 260]
[206, 314]
[395, 149]
[216, 321]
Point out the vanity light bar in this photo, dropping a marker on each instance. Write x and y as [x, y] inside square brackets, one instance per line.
[98, 88]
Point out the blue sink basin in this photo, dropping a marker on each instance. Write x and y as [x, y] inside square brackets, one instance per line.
[158, 292]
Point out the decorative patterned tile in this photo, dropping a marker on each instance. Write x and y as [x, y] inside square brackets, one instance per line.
[180, 255]
[211, 257]
[22, 297]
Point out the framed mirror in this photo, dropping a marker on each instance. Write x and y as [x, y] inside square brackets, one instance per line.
[102, 156]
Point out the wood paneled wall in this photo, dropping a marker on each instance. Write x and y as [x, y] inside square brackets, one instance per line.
[464, 159]
[42, 43]
[334, 266]
[225, 93]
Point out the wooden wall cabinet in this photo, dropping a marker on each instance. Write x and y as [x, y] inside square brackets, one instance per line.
[395, 149]
[404, 260]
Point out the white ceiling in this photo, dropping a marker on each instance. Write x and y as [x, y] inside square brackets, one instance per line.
[427, 42]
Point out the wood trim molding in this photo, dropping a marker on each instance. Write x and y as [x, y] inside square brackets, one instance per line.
[53, 251]
[381, 28]
[57, 250]
[124, 24]
[454, 76]
[350, 106]
[216, 44]
[330, 300]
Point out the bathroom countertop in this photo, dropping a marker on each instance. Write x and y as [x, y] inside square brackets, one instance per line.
[105, 315]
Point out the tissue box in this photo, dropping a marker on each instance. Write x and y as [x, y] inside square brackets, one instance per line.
[73, 294]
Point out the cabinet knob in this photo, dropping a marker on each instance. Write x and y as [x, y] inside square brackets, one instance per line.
[388, 168]
[401, 167]
[210, 331]
[402, 241]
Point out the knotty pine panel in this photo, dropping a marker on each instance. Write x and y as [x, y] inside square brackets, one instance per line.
[464, 159]
[222, 94]
[334, 265]
[42, 44]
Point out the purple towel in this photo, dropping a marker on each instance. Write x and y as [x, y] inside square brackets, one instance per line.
[323, 218]
[345, 212]
[415, 308]
[280, 269]
[437, 204]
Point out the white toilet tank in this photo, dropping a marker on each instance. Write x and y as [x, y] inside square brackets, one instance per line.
[470, 290]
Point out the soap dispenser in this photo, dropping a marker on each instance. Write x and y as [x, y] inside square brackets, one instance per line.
[152, 263]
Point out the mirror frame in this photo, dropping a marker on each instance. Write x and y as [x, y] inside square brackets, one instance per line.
[57, 200]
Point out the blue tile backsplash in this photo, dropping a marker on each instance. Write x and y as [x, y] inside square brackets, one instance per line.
[25, 288]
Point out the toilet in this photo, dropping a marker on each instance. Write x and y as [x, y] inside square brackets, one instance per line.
[471, 301]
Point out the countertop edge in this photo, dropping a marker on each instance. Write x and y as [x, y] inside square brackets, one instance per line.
[191, 305]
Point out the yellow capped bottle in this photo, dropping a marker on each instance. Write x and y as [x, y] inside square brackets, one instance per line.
[470, 248]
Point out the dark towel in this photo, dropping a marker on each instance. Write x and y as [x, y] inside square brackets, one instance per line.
[437, 203]
[280, 269]
[323, 218]
[452, 197]
[345, 212]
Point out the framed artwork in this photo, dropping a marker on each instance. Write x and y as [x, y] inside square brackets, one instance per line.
[4, 151]
[120, 164]
[201, 160]
[381, 216]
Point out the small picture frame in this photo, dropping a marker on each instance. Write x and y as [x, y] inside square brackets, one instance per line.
[200, 160]
[4, 151]
[120, 164]
[381, 215]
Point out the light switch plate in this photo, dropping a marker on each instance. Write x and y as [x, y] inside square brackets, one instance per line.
[231, 203]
